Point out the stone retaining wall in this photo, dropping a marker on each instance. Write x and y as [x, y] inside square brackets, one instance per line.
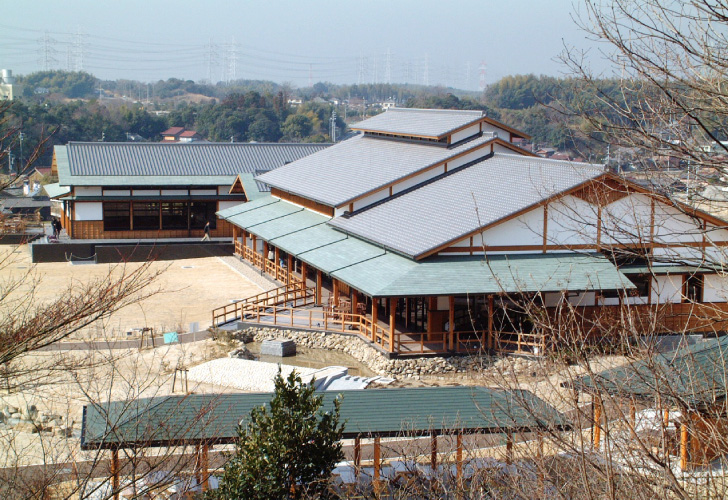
[364, 352]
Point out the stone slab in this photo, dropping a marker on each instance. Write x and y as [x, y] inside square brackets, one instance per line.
[278, 347]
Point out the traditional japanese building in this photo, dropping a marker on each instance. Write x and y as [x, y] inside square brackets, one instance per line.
[157, 190]
[424, 232]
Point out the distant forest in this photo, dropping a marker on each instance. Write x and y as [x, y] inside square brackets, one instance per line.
[75, 106]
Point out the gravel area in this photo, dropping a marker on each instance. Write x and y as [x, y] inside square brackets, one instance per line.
[254, 376]
[249, 272]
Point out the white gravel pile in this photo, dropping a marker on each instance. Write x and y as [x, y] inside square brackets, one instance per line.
[243, 374]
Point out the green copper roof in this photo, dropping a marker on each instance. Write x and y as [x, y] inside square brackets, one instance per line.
[384, 412]
[293, 223]
[695, 376]
[244, 207]
[252, 190]
[341, 254]
[307, 239]
[56, 190]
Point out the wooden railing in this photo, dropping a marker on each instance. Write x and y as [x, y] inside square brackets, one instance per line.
[270, 267]
[297, 294]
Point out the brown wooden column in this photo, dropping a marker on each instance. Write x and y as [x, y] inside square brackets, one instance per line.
[684, 444]
[459, 456]
[357, 455]
[392, 321]
[451, 323]
[632, 414]
[335, 285]
[319, 282]
[491, 338]
[114, 469]
[198, 465]
[289, 265]
[375, 313]
[265, 254]
[596, 421]
[235, 234]
[377, 458]
[278, 262]
[244, 235]
[509, 448]
[304, 274]
[255, 246]
[433, 452]
[205, 467]
[354, 301]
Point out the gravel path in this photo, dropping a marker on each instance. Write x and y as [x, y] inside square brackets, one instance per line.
[256, 376]
[249, 272]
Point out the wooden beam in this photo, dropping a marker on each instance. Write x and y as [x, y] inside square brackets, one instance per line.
[392, 320]
[433, 452]
[684, 443]
[289, 270]
[319, 283]
[115, 473]
[459, 456]
[354, 301]
[377, 457]
[357, 455]
[451, 322]
[198, 465]
[596, 421]
[205, 467]
[375, 313]
[278, 262]
[335, 284]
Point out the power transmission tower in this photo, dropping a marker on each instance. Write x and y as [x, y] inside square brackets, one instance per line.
[388, 67]
[211, 60]
[231, 60]
[426, 75]
[481, 83]
[48, 52]
[78, 50]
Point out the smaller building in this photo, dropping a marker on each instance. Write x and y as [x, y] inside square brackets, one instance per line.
[9, 90]
[180, 134]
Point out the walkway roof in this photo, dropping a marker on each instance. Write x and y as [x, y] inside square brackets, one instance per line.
[379, 273]
[193, 418]
[696, 376]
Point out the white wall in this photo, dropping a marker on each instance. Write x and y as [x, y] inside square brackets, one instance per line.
[572, 221]
[416, 179]
[223, 189]
[526, 229]
[87, 191]
[671, 224]
[666, 289]
[467, 158]
[146, 192]
[174, 192]
[89, 210]
[368, 200]
[464, 134]
[715, 288]
[203, 191]
[117, 192]
[627, 220]
[487, 127]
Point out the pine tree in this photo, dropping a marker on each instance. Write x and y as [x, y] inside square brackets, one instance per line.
[286, 450]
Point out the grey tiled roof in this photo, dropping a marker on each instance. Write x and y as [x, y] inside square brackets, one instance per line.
[358, 165]
[119, 160]
[453, 206]
[419, 122]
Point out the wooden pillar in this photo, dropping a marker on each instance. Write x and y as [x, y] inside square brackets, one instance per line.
[407, 312]
[632, 414]
[198, 465]
[278, 262]
[375, 319]
[319, 282]
[289, 265]
[377, 458]
[335, 285]
[451, 323]
[509, 448]
[354, 301]
[235, 234]
[392, 321]
[115, 473]
[205, 467]
[244, 234]
[666, 417]
[459, 456]
[357, 455]
[265, 255]
[254, 242]
[596, 421]
[433, 451]
[491, 339]
[684, 443]
[304, 274]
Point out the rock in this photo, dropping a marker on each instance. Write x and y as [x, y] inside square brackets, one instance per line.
[31, 412]
[63, 431]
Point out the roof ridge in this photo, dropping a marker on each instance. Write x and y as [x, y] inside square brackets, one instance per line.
[551, 160]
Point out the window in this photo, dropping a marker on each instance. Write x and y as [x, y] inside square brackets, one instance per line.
[174, 215]
[202, 212]
[694, 288]
[642, 284]
[117, 216]
[146, 215]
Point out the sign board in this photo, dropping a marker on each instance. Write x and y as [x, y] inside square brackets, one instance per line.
[171, 338]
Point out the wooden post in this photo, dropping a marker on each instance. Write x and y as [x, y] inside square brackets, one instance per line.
[335, 284]
[451, 323]
[278, 262]
[433, 452]
[596, 421]
[392, 320]
[632, 414]
[509, 448]
[375, 313]
[491, 342]
[198, 466]
[377, 458]
[265, 256]
[407, 312]
[205, 466]
[255, 247]
[459, 456]
[684, 443]
[115, 473]
[319, 281]
[289, 265]
[666, 417]
[357, 455]
[304, 274]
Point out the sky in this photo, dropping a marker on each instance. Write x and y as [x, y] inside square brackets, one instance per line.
[450, 43]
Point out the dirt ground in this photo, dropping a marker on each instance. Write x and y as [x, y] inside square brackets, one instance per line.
[189, 289]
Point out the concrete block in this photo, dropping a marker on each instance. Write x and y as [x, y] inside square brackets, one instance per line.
[278, 347]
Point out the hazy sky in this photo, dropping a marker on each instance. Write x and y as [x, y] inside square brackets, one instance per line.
[420, 41]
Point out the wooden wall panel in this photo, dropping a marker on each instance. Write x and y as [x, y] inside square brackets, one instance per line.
[304, 202]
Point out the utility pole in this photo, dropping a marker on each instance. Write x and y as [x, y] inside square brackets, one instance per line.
[47, 59]
[333, 126]
[21, 136]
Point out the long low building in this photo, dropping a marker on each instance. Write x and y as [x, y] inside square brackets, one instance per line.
[156, 190]
[430, 232]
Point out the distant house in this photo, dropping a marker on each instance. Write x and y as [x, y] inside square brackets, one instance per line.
[172, 134]
[38, 174]
[189, 136]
